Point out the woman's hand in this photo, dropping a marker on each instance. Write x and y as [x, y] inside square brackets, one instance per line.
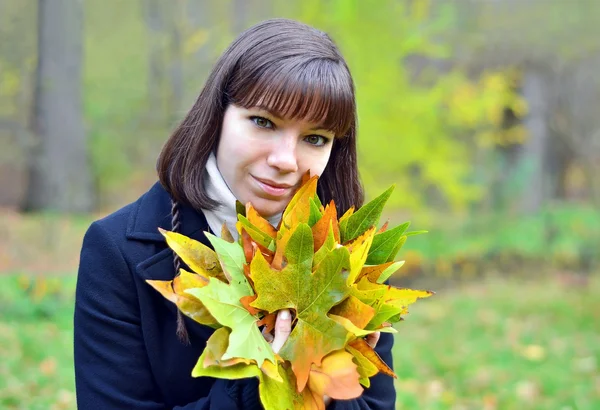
[373, 338]
[283, 327]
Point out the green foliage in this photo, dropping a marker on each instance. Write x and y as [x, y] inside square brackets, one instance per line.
[559, 237]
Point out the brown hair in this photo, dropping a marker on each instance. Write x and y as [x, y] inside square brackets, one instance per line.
[292, 70]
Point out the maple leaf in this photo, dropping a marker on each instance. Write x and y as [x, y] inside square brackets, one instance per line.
[232, 259]
[310, 294]
[175, 291]
[223, 302]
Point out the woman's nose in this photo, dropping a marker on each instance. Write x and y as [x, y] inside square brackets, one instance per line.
[283, 155]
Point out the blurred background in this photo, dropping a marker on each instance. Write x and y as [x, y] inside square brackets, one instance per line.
[484, 113]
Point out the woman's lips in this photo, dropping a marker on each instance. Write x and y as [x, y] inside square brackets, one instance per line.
[279, 190]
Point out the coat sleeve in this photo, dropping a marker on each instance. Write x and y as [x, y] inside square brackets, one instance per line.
[381, 395]
[111, 363]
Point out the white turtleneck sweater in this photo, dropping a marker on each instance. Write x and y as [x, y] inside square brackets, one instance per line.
[217, 189]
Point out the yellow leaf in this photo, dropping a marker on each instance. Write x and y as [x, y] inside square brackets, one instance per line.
[359, 250]
[199, 257]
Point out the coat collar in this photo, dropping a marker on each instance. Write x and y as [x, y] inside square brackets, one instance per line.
[153, 210]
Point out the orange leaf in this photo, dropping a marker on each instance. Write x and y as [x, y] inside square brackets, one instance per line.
[247, 245]
[268, 321]
[359, 313]
[321, 228]
[260, 222]
[337, 377]
[246, 300]
[363, 347]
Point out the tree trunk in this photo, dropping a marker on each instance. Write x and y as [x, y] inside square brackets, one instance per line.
[176, 75]
[59, 175]
[531, 158]
[155, 24]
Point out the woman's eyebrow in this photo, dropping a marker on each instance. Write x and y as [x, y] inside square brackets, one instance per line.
[266, 110]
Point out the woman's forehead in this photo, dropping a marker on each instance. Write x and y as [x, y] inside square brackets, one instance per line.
[319, 111]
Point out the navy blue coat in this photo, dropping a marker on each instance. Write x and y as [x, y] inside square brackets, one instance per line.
[127, 355]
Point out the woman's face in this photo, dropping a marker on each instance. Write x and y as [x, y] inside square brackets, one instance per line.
[263, 158]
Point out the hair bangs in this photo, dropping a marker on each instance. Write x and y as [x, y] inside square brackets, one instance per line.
[318, 91]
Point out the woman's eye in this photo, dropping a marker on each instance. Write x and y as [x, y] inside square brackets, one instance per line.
[262, 122]
[316, 140]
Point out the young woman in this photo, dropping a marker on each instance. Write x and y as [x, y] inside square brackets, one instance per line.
[278, 103]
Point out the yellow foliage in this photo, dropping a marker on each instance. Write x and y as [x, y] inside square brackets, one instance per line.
[417, 129]
[194, 41]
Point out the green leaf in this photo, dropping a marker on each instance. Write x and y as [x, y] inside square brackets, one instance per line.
[385, 245]
[396, 249]
[275, 395]
[231, 256]
[216, 346]
[315, 213]
[389, 271]
[367, 216]
[223, 302]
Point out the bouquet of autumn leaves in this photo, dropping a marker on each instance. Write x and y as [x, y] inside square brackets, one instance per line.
[329, 272]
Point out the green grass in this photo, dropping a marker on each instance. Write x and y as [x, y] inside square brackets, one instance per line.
[501, 344]
[36, 348]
